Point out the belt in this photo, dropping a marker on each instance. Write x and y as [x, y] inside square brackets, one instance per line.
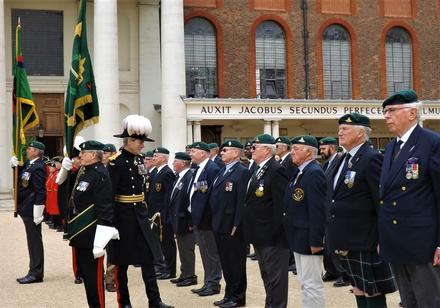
[129, 199]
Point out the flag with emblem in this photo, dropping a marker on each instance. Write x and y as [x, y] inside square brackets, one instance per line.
[81, 108]
[24, 114]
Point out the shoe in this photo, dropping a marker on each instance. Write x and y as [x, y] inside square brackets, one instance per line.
[136, 265]
[254, 258]
[126, 306]
[29, 279]
[328, 277]
[161, 305]
[231, 304]
[209, 292]
[187, 282]
[340, 282]
[78, 280]
[165, 276]
[221, 302]
[110, 287]
[250, 255]
[292, 268]
[197, 291]
[176, 280]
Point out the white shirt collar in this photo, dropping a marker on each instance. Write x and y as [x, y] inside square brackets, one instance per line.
[33, 160]
[284, 156]
[260, 165]
[354, 150]
[304, 164]
[160, 168]
[202, 165]
[182, 173]
[406, 135]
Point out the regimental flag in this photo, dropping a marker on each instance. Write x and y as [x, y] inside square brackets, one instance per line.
[81, 108]
[24, 114]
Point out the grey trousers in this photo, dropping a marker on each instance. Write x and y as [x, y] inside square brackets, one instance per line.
[186, 244]
[210, 258]
[419, 285]
[35, 247]
[273, 263]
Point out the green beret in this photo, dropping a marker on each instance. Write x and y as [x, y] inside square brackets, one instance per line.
[212, 145]
[200, 146]
[182, 156]
[264, 139]
[283, 139]
[401, 97]
[188, 146]
[355, 118]
[161, 150]
[91, 145]
[232, 144]
[109, 147]
[306, 140]
[328, 141]
[38, 145]
[148, 154]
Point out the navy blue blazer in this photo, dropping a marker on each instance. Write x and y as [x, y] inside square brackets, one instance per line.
[304, 205]
[219, 162]
[290, 167]
[409, 210]
[31, 187]
[200, 210]
[226, 198]
[159, 191]
[179, 202]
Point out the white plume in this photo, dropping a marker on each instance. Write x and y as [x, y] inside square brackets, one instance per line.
[137, 124]
[78, 140]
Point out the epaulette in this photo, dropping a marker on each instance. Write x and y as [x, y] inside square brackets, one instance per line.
[112, 158]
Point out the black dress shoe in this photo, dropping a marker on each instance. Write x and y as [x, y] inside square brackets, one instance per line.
[209, 292]
[187, 282]
[78, 280]
[328, 277]
[340, 282]
[176, 280]
[110, 287]
[126, 306]
[231, 304]
[165, 276]
[29, 279]
[250, 255]
[221, 302]
[197, 291]
[292, 268]
[160, 305]
[254, 258]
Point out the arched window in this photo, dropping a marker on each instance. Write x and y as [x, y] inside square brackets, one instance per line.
[398, 52]
[336, 53]
[200, 58]
[270, 49]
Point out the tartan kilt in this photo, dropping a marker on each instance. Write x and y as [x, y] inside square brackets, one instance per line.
[368, 273]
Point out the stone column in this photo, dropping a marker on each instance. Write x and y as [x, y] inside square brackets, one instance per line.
[106, 70]
[275, 129]
[267, 127]
[5, 110]
[173, 76]
[197, 131]
[189, 130]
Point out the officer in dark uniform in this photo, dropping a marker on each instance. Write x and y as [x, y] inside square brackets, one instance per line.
[214, 154]
[283, 145]
[31, 200]
[90, 220]
[158, 201]
[226, 199]
[409, 210]
[137, 244]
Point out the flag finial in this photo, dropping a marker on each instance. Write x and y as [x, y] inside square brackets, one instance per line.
[19, 22]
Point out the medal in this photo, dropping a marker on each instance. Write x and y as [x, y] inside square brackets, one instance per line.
[349, 178]
[260, 190]
[228, 186]
[409, 175]
[415, 171]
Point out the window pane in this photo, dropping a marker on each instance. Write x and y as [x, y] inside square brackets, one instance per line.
[336, 53]
[200, 59]
[398, 53]
[270, 61]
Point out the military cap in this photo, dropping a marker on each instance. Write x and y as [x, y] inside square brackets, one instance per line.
[306, 140]
[45, 159]
[355, 118]
[283, 139]
[401, 97]
[188, 146]
[182, 156]
[37, 144]
[137, 127]
[57, 159]
[328, 141]
[232, 144]
[148, 154]
[248, 144]
[212, 145]
[161, 150]
[91, 145]
[264, 139]
[200, 146]
[109, 147]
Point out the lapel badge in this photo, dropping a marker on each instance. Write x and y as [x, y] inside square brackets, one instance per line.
[158, 187]
[228, 186]
[203, 186]
[260, 190]
[298, 194]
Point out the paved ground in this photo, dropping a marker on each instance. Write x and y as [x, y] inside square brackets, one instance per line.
[58, 289]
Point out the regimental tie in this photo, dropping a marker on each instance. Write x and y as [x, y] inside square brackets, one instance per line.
[396, 149]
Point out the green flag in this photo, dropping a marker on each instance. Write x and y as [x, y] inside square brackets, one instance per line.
[81, 108]
[24, 114]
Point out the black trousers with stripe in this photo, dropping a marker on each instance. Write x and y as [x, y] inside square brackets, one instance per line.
[92, 271]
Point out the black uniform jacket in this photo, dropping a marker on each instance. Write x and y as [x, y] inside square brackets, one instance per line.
[290, 167]
[227, 196]
[92, 187]
[179, 202]
[304, 204]
[158, 197]
[218, 161]
[137, 244]
[352, 207]
[263, 213]
[31, 187]
[409, 211]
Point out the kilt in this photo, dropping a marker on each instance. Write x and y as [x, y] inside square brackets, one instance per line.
[368, 273]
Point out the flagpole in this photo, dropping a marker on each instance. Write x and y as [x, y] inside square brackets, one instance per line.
[15, 185]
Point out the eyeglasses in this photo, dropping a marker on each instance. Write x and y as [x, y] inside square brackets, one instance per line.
[392, 110]
[224, 150]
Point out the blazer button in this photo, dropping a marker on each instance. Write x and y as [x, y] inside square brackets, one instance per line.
[394, 203]
[333, 216]
[381, 202]
[403, 188]
[333, 201]
[394, 222]
[284, 214]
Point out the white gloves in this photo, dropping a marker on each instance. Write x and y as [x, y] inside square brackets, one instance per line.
[67, 163]
[38, 214]
[103, 235]
[14, 161]
[61, 176]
